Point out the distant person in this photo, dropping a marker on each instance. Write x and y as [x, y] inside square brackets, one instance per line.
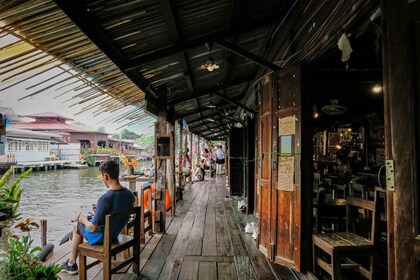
[198, 174]
[220, 160]
[207, 159]
[115, 200]
[343, 169]
[186, 170]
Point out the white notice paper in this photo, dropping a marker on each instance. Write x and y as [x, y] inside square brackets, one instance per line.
[287, 125]
[286, 173]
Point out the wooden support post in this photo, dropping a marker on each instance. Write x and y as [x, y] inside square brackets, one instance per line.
[161, 172]
[400, 37]
[43, 233]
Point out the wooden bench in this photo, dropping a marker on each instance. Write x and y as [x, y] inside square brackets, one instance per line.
[344, 245]
[107, 251]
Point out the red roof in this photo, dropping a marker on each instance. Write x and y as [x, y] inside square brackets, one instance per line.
[49, 115]
[46, 126]
[32, 134]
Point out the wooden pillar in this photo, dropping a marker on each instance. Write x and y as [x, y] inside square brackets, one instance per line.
[160, 178]
[43, 233]
[400, 39]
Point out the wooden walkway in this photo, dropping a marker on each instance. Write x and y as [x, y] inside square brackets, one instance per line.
[205, 240]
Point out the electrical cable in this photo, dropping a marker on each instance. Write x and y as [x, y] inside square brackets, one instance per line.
[379, 176]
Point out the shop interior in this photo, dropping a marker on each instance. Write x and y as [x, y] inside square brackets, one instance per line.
[348, 139]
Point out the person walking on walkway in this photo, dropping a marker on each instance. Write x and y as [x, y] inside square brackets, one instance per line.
[220, 160]
[115, 200]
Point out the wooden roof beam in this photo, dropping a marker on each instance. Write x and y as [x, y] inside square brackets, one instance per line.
[183, 46]
[86, 23]
[220, 86]
[248, 55]
[174, 32]
[238, 104]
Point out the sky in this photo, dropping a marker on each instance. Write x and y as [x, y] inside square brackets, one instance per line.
[56, 99]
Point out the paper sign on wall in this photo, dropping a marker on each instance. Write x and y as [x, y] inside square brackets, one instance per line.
[286, 173]
[287, 125]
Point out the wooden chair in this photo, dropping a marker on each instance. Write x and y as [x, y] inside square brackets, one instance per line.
[106, 252]
[343, 245]
[339, 191]
[147, 216]
[357, 190]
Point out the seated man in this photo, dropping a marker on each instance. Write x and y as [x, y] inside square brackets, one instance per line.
[198, 174]
[115, 200]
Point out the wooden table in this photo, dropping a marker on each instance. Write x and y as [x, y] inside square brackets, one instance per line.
[133, 179]
[330, 209]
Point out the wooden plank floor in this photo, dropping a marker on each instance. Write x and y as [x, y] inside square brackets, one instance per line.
[205, 240]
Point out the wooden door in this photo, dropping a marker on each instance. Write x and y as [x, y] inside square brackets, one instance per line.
[286, 180]
[401, 57]
[257, 174]
[264, 182]
[280, 176]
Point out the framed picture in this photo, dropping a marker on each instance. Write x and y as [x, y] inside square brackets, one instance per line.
[163, 147]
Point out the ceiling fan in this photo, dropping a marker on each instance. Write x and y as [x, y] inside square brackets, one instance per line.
[334, 108]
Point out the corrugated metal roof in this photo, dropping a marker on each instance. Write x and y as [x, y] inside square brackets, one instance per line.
[150, 44]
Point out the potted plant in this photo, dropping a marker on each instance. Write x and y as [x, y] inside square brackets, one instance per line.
[129, 164]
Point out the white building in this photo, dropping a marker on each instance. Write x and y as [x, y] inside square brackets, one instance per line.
[25, 146]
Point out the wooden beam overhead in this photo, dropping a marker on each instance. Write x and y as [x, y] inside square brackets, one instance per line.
[183, 46]
[238, 104]
[248, 55]
[220, 86]
[78, 14]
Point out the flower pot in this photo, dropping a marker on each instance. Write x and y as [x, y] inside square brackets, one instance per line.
[130, 170]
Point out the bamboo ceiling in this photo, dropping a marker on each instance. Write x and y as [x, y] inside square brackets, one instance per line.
[47, 39]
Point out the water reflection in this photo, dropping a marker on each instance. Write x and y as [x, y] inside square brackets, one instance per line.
[57, 195]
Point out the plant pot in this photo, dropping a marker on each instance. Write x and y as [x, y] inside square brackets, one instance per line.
[130, 170]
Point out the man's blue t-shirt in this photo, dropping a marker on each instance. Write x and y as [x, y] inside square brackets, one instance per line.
[113, 201]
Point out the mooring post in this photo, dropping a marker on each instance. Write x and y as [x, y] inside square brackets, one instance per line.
[43, 233]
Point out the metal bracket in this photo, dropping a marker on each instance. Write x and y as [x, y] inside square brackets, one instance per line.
[390, 175]
[272, 251]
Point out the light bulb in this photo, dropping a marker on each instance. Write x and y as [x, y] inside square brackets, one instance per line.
[377, 89]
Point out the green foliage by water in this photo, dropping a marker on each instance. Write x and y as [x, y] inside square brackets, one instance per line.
[10, 195]
[89, 158]
[146, 141]
[18, 260]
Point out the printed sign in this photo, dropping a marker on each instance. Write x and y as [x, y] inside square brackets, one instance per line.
[286, 173]
[287, 125]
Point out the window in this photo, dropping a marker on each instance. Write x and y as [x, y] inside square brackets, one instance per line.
[11, 146]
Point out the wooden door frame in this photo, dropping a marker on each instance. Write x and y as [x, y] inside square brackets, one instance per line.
[401, 135]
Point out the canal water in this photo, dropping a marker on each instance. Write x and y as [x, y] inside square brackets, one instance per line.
[57, 195]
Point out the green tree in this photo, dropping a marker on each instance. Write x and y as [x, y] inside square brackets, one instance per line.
[126, 134]
[146, 141]
[101, 129]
